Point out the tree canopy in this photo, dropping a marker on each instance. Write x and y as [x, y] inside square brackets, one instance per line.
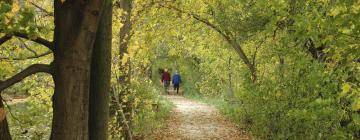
[283, 69]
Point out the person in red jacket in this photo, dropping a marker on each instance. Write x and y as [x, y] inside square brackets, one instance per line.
[165, 80]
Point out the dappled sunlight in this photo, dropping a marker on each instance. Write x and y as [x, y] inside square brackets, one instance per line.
[194, 120]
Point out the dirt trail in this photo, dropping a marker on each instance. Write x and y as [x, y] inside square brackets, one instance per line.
[191, 120]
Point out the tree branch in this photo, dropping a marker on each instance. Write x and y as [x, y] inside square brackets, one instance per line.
[5, 38]
[197, 17]
[256, 51]
[39, 40]
[35, 68]
[29, 57]
[228, 37]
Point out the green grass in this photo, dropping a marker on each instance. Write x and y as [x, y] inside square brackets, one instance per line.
[152, 120]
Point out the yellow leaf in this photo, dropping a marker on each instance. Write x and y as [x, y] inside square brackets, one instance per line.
[356, 7]
[345, 30]
[346, 88]
[125, 59]
[337, 10]
[356, 105]
[14, 9]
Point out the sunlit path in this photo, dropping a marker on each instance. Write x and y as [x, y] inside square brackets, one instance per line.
[193, 120]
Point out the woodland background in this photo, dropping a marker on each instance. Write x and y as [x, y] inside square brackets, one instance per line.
[281, 69]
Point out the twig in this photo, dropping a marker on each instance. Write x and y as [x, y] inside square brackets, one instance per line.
[27, 47]
[39, 40]
[26, 58]
[47, 13]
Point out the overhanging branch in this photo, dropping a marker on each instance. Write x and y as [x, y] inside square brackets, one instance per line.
[35, 68]
[197, 17]
[228, 37]
[5, 38]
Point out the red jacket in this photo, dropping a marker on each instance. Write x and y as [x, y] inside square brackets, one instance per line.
[165, 77]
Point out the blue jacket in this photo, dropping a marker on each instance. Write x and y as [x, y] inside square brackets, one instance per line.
[176, 79]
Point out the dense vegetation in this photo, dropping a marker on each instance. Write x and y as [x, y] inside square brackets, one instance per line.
[280, 69]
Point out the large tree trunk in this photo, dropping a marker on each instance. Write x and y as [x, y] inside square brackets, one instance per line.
[76, 23]
[100, 77]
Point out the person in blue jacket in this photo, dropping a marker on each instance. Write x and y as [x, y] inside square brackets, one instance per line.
[176, 80]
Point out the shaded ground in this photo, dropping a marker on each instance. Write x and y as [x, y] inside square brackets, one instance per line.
[191, 120]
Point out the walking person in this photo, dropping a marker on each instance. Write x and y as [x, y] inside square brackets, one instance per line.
[176, 80]
[165, 80]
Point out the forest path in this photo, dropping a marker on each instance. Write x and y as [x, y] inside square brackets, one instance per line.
[192, 120]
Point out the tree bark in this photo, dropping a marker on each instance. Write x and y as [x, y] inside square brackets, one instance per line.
[124, 78]
[124, 36]
[5, 38]
[76, 23]
[100, 77]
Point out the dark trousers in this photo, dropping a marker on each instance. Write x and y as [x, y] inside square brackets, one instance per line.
[176, 87]
[166, 86]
